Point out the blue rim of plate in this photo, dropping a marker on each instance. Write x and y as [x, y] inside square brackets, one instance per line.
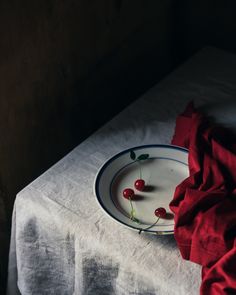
[107, 163]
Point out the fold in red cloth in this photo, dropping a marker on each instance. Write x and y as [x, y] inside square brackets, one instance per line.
[205, 203]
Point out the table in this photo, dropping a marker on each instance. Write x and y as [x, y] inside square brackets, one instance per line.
[63, 243]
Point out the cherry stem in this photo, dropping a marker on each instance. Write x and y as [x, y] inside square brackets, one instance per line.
[132, 213]
[132, 208]
[140, 172]
[150, 225]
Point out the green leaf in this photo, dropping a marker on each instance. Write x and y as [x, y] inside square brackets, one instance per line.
[132, 155]
[143, 157]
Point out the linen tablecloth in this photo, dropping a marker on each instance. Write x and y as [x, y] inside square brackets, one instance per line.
[63, 243]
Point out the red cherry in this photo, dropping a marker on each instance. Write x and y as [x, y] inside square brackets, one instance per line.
[139, 184]
[160, 212]
[128, 193]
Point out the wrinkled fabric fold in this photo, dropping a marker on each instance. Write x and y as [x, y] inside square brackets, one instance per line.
[205, 203]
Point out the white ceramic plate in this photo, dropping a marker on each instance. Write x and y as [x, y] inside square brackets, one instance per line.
[165, 168]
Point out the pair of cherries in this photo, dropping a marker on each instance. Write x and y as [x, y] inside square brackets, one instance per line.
[139, 184]
[128, 193]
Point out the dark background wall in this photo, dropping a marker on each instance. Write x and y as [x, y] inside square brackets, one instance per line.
[66, 67]
[199, 23]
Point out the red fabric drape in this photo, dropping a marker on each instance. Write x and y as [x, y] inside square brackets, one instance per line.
[205, 203]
